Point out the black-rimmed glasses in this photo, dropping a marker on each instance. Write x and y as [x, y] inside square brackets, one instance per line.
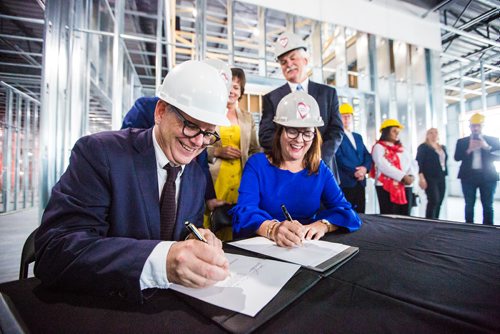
[293, 133]
[192, 130]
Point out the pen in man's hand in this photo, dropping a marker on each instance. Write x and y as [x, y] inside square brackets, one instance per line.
[191, 228]
[285, 212]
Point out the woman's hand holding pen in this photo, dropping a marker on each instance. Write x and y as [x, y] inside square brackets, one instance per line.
[289, 233]
[196, 264]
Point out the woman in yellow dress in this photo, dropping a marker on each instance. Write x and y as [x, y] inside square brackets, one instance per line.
[229, 155]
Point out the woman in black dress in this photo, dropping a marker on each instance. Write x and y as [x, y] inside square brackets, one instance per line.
[432, 158]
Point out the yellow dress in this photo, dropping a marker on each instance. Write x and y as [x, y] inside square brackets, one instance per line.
[229, 177]
[228, 180]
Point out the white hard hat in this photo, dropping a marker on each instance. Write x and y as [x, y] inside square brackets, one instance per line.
[197, 89]
[224, 71]
[287, 42]
[298, 110]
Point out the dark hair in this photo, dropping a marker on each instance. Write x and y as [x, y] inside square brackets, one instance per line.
[312, 158]
[385, 134]
[240, 74]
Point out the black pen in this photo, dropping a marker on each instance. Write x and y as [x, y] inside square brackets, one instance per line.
[285, 212]
[288, 217]
[191, 228]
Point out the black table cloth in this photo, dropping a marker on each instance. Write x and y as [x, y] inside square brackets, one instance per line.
[410, 276]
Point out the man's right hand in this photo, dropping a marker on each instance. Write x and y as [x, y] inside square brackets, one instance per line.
[195, 264]
[474, 145]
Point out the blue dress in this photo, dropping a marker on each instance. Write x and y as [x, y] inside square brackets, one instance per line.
[264, 188]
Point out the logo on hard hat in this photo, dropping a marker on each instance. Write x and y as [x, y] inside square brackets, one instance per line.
[303, 110]
[283, 41]
[224, 76]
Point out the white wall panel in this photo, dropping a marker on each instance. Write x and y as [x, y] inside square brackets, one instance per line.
[379, 18]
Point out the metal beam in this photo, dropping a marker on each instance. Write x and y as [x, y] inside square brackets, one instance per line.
[23, 19]
[169, 27]
[201, 29]
[472, 64]
[17, 91]
[23, 38]
[472, 22]
[470, 36]
[159, 46]
[118, 53]
[437, 7]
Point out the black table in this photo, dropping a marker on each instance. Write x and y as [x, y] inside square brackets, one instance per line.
[410, 276]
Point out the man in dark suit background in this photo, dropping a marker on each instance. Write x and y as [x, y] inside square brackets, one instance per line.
[353, 161]
[291, 53]
[477, 169]
[102, 230]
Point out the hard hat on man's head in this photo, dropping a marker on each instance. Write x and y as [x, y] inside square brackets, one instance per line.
[287, 42]
[389, 123]
[477, 118]
[197, 89]
[298, 110]
[224, 71]
[346, 108]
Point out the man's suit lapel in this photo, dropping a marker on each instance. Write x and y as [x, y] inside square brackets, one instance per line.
[359, 146]
[189, 196]
[145, 165]
[280, 93]
[313, 89]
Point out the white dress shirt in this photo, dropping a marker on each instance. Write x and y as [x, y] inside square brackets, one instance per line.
[477, 162]
[154, 272]
[304, 84]
[349, 135]
[383, 166]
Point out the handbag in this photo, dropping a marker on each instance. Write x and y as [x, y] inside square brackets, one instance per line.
[220, 218]
[415, 200]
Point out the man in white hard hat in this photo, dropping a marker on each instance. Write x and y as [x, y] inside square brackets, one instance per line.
[114, 225]
[141, 116]
[291, 53]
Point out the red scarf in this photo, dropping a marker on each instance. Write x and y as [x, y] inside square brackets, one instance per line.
[396, 189]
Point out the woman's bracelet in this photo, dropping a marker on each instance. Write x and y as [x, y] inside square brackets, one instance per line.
[270, 228]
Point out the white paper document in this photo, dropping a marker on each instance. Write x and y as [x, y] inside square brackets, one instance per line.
[310, 254]
[251, 285]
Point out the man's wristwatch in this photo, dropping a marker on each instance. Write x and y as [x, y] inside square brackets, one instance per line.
[329, 225]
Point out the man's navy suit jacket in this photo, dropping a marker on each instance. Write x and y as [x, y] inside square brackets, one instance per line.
[328, 102]
[488, 173]
[348, 158]
[103, 218]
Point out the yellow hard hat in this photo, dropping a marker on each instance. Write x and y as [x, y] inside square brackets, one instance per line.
[346, 108]
[390, 122]
[477, 118]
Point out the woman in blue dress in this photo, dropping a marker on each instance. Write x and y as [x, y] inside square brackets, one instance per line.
[292, 175]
